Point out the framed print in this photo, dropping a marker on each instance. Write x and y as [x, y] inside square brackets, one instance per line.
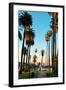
[36, 44]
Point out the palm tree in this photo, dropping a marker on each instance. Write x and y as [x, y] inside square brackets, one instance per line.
[29, 37]
[25, 19]
[47, 40]
[34, 60]
[49, 35]
[42, 54]
[24, 54]
[39, 64]
[54, 26]
[29, 43]
[35, 50]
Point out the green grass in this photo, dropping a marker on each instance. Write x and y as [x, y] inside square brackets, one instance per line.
[26, 75]
[48, 73]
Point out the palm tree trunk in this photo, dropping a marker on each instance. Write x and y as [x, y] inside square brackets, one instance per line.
[49, 54]
[22, 53]
[42, 61]
[54, 48]
[23, 61]
[47, 51]
[28, 59]
[34, 65]
[28, 54]
[51, 48]
[55, 44]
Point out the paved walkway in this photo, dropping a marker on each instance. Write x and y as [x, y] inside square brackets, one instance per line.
[40, 74]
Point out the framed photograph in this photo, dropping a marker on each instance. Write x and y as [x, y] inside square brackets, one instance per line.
[36, 44]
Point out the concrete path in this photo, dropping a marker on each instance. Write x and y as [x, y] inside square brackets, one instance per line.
[40, 74]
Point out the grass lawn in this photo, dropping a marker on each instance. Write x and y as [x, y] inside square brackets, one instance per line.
[26, 75]
[48, 73]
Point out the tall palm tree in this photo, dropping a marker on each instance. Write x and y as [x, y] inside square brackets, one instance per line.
[29, 44]
[29, 37]
[25, 19]
[49, 35]
[24, 54]
[47, 40]
[54, 26]
[42, 54]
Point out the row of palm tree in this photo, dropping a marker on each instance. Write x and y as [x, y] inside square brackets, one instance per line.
[25, 20]
[54, 27]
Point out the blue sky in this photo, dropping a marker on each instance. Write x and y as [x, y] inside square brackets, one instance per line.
[40, 25]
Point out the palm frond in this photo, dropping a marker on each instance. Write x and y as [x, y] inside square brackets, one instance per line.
[25, 19]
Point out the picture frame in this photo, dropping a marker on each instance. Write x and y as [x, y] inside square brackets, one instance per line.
[22, 73]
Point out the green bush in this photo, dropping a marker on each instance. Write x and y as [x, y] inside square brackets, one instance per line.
[26, 75]
[49, 74]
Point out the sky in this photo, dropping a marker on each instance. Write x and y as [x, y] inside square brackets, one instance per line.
[40, 25]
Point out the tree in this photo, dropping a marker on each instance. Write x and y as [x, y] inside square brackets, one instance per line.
[49, 35]
[29, 37]
[42, 54]
[35, 50]
[34, 60]
[24, 54]
[47, 40]
[39, 64]
[25, 19]
[54, 27]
